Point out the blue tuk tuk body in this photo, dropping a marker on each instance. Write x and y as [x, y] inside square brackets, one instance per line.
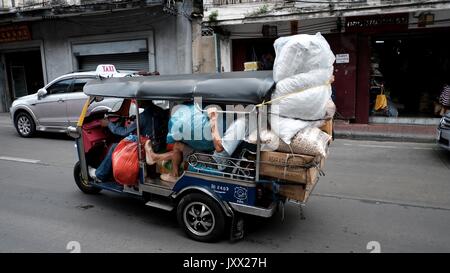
[208, 204]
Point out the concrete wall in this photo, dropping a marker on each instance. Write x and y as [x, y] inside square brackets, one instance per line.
[203, 50]
[225, 54]
[170, 51]
[275, 10]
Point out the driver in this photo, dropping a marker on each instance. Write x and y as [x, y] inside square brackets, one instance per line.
[150, 120]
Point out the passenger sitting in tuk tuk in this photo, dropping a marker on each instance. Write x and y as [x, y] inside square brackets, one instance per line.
[150, 120]
[211, 138]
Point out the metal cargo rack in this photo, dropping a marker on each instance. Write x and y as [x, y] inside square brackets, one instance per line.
[241, 169]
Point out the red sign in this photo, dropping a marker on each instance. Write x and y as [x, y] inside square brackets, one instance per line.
[14, 33]
[377, 23]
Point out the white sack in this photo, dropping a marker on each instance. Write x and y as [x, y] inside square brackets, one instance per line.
[310, 104]
[309, 141]
[269, 141]
[330, 109]
[301, 53]
[287, 128]
[303, 81]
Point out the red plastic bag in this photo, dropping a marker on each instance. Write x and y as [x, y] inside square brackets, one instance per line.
[125, 161]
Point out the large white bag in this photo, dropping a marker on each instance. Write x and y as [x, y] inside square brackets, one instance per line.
[301, 53]
[307, 105]
[302, 69]
[287, 128]
[303, 81]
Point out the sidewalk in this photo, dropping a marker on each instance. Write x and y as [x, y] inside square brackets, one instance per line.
[391, 132]
[342, 129]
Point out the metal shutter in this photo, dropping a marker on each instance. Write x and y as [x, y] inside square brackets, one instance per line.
[128, 61]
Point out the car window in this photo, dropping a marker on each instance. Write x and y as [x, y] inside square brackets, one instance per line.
[59, 87]
[78, 84]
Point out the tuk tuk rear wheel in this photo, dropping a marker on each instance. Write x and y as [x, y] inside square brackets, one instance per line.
[82, 184]
[201, 217]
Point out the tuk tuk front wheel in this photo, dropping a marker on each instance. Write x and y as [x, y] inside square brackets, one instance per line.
[82, 184]
[201, 217]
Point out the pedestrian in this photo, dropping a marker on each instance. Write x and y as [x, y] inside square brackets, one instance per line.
[444, 98]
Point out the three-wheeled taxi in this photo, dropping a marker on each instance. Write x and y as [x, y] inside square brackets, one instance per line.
[209, 198]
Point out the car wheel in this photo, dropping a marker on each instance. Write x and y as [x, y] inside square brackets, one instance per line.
[83, 184]
[25, 125]
[201, 217]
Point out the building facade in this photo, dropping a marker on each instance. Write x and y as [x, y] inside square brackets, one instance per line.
[41, 40]
[399, 47]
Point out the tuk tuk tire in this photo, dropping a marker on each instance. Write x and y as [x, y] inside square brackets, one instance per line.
[83, 186]
[198, 200]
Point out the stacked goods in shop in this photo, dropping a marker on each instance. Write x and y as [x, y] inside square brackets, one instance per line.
[301, 112]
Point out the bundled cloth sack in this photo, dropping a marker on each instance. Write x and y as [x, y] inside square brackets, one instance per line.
[304, 95]
[309, 141]
[303, 69]
[299, 54]
[289, 127]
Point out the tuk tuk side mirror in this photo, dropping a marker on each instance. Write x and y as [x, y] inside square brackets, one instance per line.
[73, 132]
[41, 93]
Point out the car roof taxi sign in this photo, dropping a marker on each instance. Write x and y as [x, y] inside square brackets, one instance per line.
[106, 70]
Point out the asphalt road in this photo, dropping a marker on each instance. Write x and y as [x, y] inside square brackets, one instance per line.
[397, 194]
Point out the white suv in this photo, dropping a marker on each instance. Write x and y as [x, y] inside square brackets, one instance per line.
[59, 104]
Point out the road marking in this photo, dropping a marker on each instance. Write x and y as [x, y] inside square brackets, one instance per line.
[389, 147]
[379, 201]
[4, 124]
[18, 159]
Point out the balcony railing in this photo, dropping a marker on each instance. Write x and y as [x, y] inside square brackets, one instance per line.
[15, 5]
[233, 2]
[277, 2]
[50, 3]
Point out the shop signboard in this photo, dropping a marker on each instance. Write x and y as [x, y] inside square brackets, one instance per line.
[14, 33]
[342, 58]
[377, 23]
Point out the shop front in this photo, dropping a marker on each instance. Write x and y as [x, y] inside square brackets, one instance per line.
[21, 72]
[407, 64]
[402, 56]
[411, 68]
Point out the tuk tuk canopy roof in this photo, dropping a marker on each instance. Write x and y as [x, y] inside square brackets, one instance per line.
[231, 87]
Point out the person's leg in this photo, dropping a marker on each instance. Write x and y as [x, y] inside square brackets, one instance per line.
[152, 157]
[176, 156]
[104, 170]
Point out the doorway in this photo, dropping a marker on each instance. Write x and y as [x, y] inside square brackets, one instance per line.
[24, 72]
[253, 50]
[413, 68]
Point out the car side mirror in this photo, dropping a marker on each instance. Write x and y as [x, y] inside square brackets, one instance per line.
[41, 93]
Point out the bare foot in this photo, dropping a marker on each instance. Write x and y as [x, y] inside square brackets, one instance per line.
[168, 177]
[149, 153]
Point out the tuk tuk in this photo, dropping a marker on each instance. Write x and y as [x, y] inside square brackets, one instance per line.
[209, 200]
